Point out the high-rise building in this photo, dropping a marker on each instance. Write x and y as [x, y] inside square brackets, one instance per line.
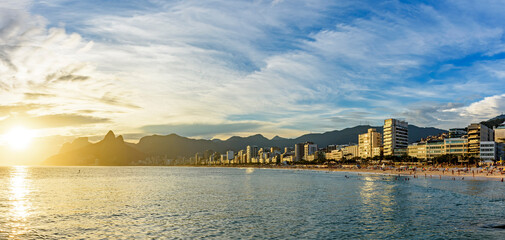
[478, 133]
[499, 138]
[499, 134]
[299, 151]
[309, 148]
[368, 141]
[396, 136]
[229, 155]
[240, 156]
[252, 152]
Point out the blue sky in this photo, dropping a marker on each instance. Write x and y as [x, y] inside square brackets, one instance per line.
[221, 68]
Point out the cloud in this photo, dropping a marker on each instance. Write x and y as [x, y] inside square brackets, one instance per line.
[488, 107]
[109, 98]
[51, 121]
[44, 74]
[65, 120]
[36, 95]
[426, 114]
[456, 114]
[19, 108]
[160, 63]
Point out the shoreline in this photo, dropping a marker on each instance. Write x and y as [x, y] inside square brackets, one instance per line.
[432, 174]
[427, 172]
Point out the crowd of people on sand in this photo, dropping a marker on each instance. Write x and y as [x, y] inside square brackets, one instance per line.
[453, 172]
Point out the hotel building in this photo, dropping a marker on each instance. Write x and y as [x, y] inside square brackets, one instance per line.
[478, 133]
[299, 151]
[431, 149]
[369, 144]
[309, 149]
[396, 137]
[252, 152]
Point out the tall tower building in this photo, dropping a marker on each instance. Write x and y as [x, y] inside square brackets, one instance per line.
[478, 133]
[299, 151]
[252, 152]
[396, 136]
[368, 141]
[308, 149]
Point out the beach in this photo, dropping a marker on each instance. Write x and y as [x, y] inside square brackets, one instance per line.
[449, 172]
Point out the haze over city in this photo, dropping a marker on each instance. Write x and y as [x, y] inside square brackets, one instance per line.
[215, 69]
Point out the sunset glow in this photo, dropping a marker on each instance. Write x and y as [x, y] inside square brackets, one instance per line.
[19, 138]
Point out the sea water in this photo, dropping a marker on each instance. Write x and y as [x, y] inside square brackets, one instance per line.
[233, 203]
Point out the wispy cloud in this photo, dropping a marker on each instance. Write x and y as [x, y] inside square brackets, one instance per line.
[294, 66]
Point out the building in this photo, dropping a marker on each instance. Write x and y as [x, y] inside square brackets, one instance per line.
[478, 133]
[309, 148]
[287, 157]
[435, 148]
[241, 156]
[367, 142]
[499, 138]
[417, 150]
[334, 155]
[499, 134]
[488, 150]
[350, 152]
[458, 146]
[376, 151]
[457, 132]
[252, 152]
[396, 137]
[299, 151]
[230, 155]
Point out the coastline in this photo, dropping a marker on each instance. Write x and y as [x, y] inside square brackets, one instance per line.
[432, 174]
[427, 172]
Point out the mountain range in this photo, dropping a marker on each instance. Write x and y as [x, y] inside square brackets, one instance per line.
[113, 150]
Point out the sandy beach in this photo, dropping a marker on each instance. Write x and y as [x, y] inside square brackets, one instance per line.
[455, 173]
[451, 173]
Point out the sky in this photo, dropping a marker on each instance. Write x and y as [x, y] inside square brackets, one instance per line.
[216, 68]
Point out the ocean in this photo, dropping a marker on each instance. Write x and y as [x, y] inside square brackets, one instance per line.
[235, 203]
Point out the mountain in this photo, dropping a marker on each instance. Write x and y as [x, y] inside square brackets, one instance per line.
[76, 144]
[173, 145]
[114, 151]
[494, 122]
[111, 151]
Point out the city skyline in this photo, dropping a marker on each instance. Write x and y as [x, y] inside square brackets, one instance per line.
[218, 69]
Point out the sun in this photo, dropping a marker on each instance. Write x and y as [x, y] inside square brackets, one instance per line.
[19, 138]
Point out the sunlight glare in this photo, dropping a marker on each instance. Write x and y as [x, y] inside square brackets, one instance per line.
[19, 138]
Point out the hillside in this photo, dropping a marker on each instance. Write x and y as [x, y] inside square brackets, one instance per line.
[173, 145]
[111, 151]
[114, 151]
[494, 122]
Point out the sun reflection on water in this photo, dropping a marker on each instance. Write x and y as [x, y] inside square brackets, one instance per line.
[20, 204]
